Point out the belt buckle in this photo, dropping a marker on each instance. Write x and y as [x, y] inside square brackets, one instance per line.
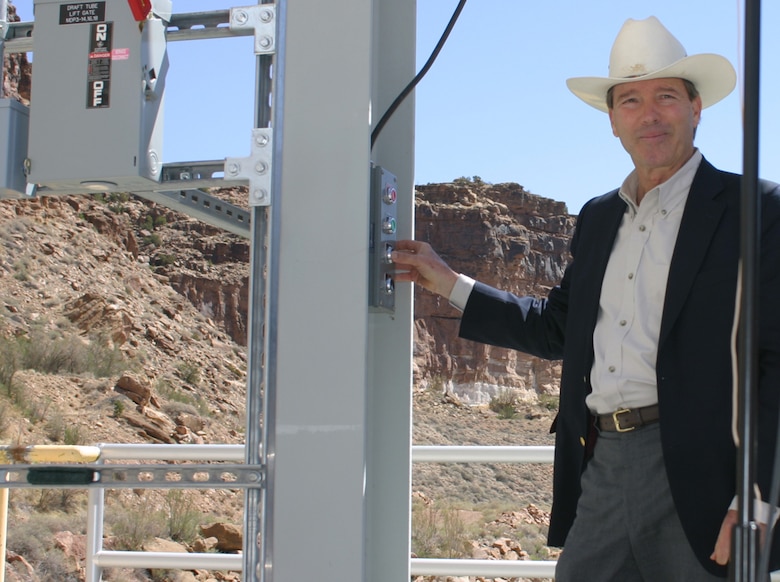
[615, 419]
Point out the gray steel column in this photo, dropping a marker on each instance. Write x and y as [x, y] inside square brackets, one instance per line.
[389, 402]
[317, 416]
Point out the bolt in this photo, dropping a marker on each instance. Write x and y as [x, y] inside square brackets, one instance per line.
[260, 194]
[233, 168]
[241, 17]
[266, 15]
[261, 167]
[265, 42]
[261, 139]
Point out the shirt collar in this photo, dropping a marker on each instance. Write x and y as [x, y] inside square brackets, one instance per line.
[670, 193]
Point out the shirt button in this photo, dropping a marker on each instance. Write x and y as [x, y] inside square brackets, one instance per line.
[622, 322]
[663, 211]
[630, 275]
[612, 368]
[642, 228]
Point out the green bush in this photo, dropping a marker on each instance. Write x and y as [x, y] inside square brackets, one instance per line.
[119, 408]
[189, 372]
[63, 353]
[438, 532]
[549, 401]
[183, 519]
[73, 435]
[135, 527]
[505, 403]
[9, 362]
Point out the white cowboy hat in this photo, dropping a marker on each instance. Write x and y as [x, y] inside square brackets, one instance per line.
[645, 49]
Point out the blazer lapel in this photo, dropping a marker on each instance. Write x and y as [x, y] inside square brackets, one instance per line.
[594, 250]
[703, 211]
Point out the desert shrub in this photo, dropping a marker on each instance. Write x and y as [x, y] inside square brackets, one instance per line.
[183, 519]
[73, 435]
[548, 401]
[153, 239]
[9, 362]
[32, 538]
[504, 403]
[189, 372]
[5, 419]
[118, 408]
[134, 527]
[54, 566]
[68, 353]
[438, 532]
[55, 426]
[179, 400]
[64, 500]
[34, 409]
[164, 260]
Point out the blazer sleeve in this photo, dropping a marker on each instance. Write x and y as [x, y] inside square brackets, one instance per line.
[528, 324]
[532, 325]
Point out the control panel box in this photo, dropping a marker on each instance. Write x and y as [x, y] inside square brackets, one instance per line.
[14, 126]
[97, 97]
[384, 226]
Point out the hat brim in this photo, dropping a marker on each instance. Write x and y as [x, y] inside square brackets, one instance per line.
[713, 76]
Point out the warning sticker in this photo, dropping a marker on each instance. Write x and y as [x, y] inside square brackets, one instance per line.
[99, 66]
[81, 12]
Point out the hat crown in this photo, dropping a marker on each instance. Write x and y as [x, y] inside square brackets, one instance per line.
[643, 47]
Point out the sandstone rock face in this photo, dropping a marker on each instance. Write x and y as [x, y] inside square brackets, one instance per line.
[503, 236]
[18, 70]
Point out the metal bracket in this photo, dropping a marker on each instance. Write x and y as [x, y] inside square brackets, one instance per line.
[262, 19]
[256, 168]
[166, 476]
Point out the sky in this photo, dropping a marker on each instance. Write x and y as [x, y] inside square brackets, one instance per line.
[495, 102]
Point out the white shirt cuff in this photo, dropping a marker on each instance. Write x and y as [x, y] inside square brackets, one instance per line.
[459, 295]
[761, 511]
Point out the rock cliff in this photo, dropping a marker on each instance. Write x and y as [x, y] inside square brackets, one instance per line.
[503, 236]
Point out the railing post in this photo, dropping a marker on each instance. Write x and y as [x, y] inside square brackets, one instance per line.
[96, 501]
[3, 530]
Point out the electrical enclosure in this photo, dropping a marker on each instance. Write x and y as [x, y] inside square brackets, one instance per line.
[98, 97]
[14, 126]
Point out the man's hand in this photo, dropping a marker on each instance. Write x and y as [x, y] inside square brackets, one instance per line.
[418, 262]
[722, 552]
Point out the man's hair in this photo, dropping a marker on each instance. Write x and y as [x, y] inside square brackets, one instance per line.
[689, 87]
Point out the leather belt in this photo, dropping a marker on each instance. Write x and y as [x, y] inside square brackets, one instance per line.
[627, 419]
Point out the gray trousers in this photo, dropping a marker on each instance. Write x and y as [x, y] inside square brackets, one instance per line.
[627, 529]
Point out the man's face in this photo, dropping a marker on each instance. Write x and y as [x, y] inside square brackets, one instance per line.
[655, 121]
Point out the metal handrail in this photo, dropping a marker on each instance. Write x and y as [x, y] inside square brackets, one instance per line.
[224, 452]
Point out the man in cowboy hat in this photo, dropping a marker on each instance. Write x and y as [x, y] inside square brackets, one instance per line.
[645, 463]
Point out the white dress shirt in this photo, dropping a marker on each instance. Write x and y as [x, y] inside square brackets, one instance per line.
[625, 339]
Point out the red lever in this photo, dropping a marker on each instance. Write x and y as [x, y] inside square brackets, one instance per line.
[140, 8]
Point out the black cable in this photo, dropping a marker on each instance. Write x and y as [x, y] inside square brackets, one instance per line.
[408, 89]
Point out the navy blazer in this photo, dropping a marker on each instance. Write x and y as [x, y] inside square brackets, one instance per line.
[693, 366]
